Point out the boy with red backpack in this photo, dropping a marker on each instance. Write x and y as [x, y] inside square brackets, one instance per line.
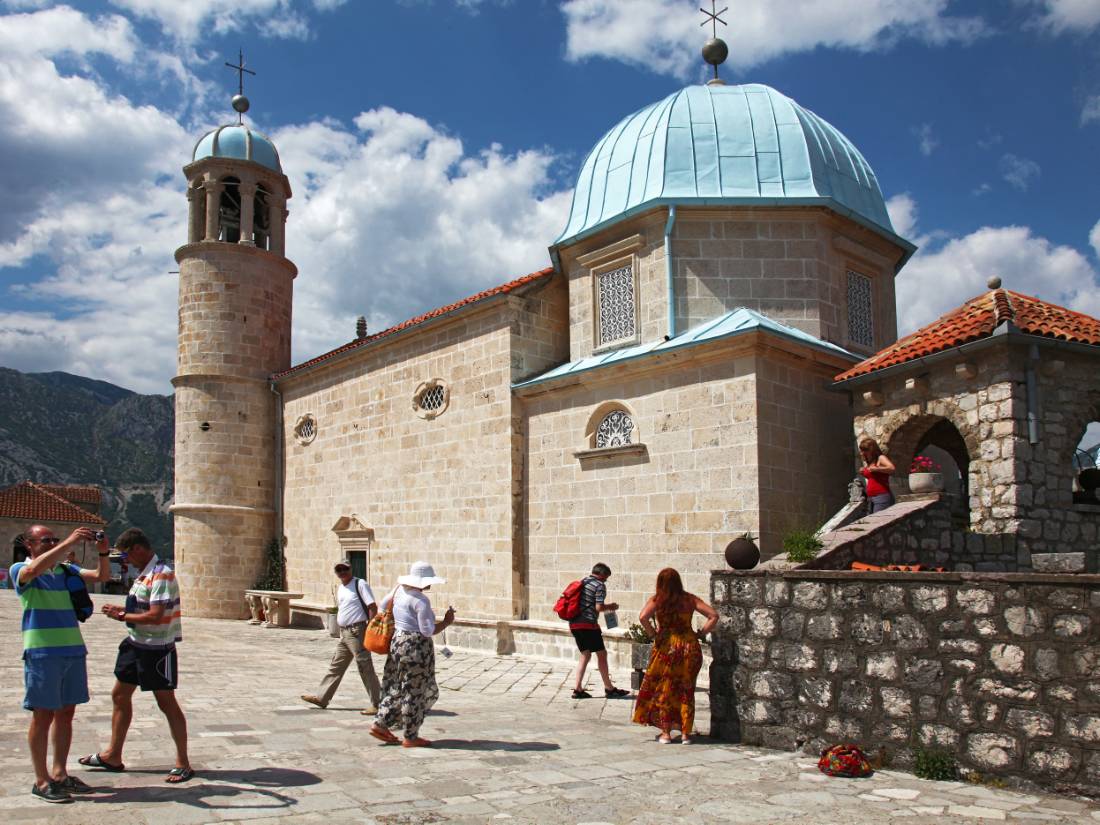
[581, 604]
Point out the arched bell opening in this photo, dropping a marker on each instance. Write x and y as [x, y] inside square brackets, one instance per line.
[229, 211]
[261, 219]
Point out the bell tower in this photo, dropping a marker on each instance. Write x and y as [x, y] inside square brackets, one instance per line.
[235, 295]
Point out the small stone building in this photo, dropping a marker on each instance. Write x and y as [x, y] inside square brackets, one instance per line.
[1005, 385]
[62, 508]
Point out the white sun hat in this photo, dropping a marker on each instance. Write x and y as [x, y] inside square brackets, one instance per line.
[421, 574]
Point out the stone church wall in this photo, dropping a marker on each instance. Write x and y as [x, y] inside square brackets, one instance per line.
[435, 489]
[1002, 671]
[677, 503]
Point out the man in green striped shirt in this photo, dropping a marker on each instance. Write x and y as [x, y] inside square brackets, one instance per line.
[54, 668]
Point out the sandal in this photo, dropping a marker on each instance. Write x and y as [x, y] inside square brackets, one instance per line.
[96, 761]
[664, 739]
[415, 743]
[178, 775]
[386, 737]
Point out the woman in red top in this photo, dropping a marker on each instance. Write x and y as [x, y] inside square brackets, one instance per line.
[877, 469]
[666, 699]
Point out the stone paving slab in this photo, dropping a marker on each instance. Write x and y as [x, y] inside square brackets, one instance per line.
[511, 747]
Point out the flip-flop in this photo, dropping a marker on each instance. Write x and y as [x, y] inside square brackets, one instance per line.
[384, 736]
[96, 761]
[415, 743]
[178, 775]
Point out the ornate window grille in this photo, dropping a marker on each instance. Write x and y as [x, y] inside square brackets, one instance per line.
[616, 303]
[306, 429]
[616, 430]
[861, 316]
[432, 398]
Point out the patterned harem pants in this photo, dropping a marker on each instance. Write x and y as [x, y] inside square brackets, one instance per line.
[408, 683]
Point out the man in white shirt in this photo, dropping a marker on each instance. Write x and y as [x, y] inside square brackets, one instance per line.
[355, 607]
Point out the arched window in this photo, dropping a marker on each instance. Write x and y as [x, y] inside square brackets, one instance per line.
[261, 219]
[1086, 466]
[615, 430]
[229, 211]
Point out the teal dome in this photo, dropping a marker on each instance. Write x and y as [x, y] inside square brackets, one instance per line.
[723, 146]
[237, 142]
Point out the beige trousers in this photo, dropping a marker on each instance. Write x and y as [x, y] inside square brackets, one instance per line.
[350, 646]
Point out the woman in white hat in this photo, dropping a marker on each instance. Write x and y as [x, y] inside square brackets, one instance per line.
[408, 682]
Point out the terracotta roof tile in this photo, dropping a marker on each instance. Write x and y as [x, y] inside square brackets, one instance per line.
[35, 502]
[977, 319]
[75, 493]
[419, 319]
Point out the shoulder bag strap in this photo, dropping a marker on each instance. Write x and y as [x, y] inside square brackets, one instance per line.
[359, 593]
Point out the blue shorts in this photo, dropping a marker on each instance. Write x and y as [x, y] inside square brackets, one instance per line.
[55, 682]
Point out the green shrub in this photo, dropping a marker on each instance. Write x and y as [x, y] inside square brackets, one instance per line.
[274, 576]
[934, 763]
[637, 635]
[801, 545]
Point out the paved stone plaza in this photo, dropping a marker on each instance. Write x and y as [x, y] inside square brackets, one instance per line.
[511, 746]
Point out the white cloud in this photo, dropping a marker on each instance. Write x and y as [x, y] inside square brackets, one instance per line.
[926, 139]
[1069, 15]
[981, 189]
[1094, 238]
[1019, 172]
[1091, 110]
[664, 35]
[947, 271]
[190, 20]
[397, 218]
[903, 214]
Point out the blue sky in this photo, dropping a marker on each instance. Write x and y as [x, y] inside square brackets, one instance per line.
[432, 145]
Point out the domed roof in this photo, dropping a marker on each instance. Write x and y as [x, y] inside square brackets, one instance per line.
[724, 145]
[237, 142]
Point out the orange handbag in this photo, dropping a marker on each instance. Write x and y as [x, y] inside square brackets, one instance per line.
[379, 632]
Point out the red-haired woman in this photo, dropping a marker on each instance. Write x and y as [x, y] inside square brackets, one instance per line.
[667, 696]
[877, 469]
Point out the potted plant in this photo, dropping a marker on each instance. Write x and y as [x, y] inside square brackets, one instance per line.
[925, 475]
[742, 553]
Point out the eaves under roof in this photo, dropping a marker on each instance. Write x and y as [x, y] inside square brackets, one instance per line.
[360, 343]
[977, 319]
[740, 321]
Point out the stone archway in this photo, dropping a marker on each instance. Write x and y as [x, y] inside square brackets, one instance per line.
[919, 431]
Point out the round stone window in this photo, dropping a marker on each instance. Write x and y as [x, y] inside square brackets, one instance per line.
[305, 429]
[431, 399]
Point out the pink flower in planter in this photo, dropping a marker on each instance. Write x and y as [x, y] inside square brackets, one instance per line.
[923, 464]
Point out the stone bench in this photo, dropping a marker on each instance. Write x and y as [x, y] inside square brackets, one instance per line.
[275, 605]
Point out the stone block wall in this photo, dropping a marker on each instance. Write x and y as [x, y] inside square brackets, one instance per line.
[438, 489]
[789, 264]
[1001, 670]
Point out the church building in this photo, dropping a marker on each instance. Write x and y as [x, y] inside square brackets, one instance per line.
[660, 388]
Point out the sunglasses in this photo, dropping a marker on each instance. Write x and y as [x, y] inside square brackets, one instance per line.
[342, 569]
[49, 542]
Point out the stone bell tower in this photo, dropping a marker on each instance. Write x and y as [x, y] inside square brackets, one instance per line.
[236, 289]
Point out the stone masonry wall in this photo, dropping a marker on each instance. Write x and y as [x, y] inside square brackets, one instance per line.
[1002, 670]
[437, 489]
[789, 264]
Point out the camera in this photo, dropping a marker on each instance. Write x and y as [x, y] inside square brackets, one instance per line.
[100, 535]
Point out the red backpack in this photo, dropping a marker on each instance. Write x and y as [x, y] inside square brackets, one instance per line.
[568, 605]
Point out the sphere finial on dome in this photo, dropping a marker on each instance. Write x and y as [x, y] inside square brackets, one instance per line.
[715, 50]
[240, 102]
[994, 282]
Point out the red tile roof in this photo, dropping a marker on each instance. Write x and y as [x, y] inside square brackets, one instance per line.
[75, 493]
[511, 286]
[35, 502]
[977, 319]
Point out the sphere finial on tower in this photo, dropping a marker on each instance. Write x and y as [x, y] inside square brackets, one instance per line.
[994, 282]
[715, 50]
[240, 102]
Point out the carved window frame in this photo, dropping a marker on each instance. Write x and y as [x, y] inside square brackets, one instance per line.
[305, 429]
[433, 386]
[591, 434]
[854, 282]
[597, 274]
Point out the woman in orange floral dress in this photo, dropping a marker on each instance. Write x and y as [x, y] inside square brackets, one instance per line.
[666, 699]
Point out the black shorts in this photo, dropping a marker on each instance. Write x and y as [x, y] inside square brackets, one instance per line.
[588, 640]
[151, 668]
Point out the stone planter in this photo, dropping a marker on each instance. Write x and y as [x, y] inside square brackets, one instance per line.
[639, 660]
[926, 482]
[331, 626]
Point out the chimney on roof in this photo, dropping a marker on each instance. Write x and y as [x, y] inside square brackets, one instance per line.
[361, 327]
